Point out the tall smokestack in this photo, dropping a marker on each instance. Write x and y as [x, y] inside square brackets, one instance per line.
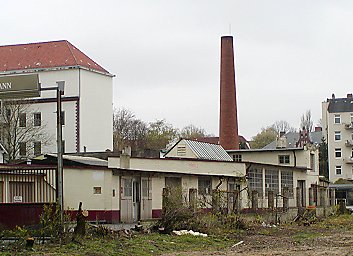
[228, 125]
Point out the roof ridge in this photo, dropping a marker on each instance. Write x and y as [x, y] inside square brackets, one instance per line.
[46, 42]
[73, 55]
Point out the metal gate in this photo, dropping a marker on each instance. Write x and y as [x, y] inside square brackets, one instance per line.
[23, 192]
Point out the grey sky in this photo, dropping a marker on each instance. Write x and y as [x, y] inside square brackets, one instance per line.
[290, 55]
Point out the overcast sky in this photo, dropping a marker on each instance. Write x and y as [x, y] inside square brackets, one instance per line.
[290, 55]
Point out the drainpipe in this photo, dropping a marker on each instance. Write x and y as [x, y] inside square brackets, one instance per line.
[295, 159]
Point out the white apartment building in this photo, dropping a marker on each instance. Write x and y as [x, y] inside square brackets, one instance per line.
[337, 119]
[87, 100]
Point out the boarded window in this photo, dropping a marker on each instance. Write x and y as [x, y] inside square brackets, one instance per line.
[21, 192]
[287, 182]
[271, 181]
[205, 185]
[255, 181]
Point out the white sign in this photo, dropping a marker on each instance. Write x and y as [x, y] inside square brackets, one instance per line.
[17, 199]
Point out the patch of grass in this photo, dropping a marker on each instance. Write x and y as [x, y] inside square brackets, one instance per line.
[139, 245]
[305, 236]
[344, 221]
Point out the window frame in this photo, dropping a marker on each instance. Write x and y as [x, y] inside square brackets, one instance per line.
[37, 121]
[37, 151]
[22, 120]
[284, 159]
[338, 167]
[338, 136]
[22, 148]
[204, 185]
[255, 180]
[338, 152]
[337, 119]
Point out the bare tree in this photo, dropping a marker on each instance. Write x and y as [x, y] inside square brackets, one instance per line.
[128, 130]
[306, 121]
[282, 126]
[191, 132]
[23, 133]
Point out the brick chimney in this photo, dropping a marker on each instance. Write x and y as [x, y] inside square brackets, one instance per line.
[228, 125]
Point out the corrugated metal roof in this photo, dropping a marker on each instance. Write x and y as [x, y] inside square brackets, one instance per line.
[208, 151]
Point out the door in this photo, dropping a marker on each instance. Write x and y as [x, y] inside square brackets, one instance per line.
[126, 214]
[146, 198]
[302, 194]
[136, 199]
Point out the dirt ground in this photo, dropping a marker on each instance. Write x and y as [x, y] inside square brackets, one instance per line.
[316, 239]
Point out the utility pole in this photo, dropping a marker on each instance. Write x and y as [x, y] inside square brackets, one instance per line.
[59, 92]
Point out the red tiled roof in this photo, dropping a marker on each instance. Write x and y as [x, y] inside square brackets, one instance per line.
[44, 55]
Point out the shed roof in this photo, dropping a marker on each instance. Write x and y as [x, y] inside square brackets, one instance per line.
[42, 55]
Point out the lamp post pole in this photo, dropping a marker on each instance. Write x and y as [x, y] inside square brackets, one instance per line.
[59, 92]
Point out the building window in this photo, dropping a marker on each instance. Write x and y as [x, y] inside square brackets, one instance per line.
[37, 146]
[312, 162]
[287, 182]
[22, 121]
[97, 190]
[337, 119]
[62, 117]
[338, 152]
[351, 119]
[352, 136]
[338, 170]
[37, 117]
[205, 185]
[255, 181]
[271, 181]
[23, 148]
[181, 150]
[237, 158]
[337, 135]
[283, 159]
[352, 153]
[127, 190]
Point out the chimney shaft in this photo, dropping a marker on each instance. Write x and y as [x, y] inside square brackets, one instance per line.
[228, 127]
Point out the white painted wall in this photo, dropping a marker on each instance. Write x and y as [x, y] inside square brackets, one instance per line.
[76, 192]
[96, 111]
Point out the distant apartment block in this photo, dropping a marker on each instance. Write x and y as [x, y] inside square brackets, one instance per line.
[87, 101]
[337, 120]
